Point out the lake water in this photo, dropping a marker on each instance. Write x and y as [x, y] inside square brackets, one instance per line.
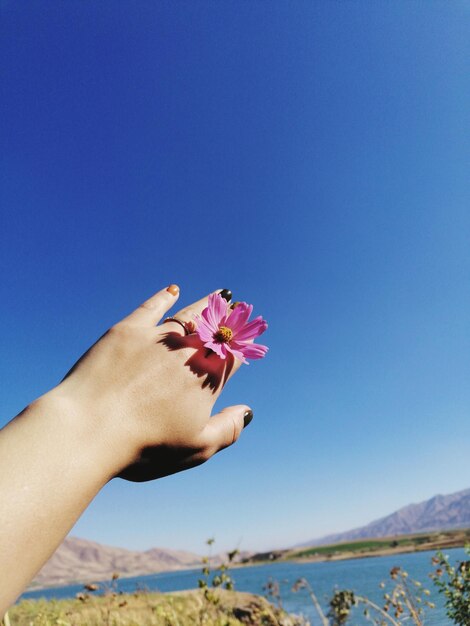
[363, 576]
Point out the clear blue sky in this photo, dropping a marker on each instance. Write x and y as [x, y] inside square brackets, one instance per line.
[310, 156]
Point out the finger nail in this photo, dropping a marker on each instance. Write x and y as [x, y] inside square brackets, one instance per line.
[247, 417]
[226, 294]
[173, 289]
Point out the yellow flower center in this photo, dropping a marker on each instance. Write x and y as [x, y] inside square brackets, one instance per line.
[223, 335]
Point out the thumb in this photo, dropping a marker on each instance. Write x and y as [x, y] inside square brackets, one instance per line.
[225, 427]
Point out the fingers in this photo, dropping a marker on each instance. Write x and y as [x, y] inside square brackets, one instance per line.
[188, 313]
[152, 310]
[224, 429]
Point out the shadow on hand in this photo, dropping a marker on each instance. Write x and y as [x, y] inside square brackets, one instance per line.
[159, 462]
[203, 362]
[164, 460]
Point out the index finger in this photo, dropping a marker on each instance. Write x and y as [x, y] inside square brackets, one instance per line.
[152, 310]
[188, 313]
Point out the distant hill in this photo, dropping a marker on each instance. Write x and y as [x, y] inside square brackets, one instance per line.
[82, 560]
[438, 513]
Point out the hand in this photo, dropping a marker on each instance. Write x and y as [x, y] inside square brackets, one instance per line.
[136, 405]
[149, 391]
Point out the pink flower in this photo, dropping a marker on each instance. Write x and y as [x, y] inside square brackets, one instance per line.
[225, 330]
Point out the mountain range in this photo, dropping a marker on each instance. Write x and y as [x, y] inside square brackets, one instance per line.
[438, 513]
[80, 560]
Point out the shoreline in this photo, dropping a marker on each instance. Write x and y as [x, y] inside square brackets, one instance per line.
[289, 556]
[379, 553]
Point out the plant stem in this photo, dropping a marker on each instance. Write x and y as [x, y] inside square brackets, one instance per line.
[411, 605]
[317, 606]
[377, 608]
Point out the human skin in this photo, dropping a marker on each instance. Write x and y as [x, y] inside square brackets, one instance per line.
[130, 407]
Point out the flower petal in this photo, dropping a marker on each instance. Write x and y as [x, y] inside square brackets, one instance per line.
[237, 354]
[208, 317]
[250, 350]
[203, 330]
[238, 317]
[219, 307]
[202, 321]
[251, 330]
[214, 310]
[218, 348]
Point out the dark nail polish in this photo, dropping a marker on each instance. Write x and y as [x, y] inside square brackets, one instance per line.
[247, 418]
[226, 294]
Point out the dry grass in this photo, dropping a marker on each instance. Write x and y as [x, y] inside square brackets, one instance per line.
[145, 609]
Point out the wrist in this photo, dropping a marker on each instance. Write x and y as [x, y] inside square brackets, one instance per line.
[96, 444]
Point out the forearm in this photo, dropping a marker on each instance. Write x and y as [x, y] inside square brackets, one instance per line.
[132, 407]
[52, 464]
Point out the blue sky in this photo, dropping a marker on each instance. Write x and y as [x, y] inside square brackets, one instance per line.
[310, 156]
